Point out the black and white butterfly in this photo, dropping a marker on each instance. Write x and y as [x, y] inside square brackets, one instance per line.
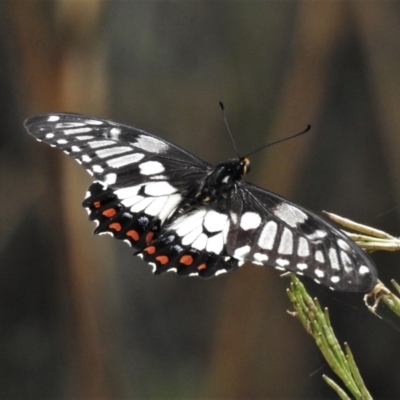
[180, 213]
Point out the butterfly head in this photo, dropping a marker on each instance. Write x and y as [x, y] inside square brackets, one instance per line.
[223, 177]
[245, 165]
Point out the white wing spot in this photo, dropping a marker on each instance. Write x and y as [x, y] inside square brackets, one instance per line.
[343, 244]
[186, 224]
[333, 257]
[169, 206]
[290, 214]
[215, 244]
[172, 270]
[75, 131]
[114, 133]
[124, 160]
[130, 201]
[303, 249]
[319, 273]
[335, 279]
[215, 221]
[75, 149]
[127, 192]
[151, 144]
[201, 242]
[286, 242]
[156, 206]
[106, 233]
[86, 158]
[319, 256]
[151, 168]
[241, 252]
[363, 270]
[53, 118]
[267, 237]
[220, 271]
[100, 143]
[97, 169]
[348, 265]
[112, 151]
[84, 137]
[302, 266]
[260, 257]
[110, 179]
[250, 220]
[153, 266]
[142, 204]
[282, 262]
[192, 236]
[94, 122]
[159, 189]
[317, 235]
[49, 135]
[62, 141]
[66, 125]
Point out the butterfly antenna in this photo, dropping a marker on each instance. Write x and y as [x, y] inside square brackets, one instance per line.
[281, 140]
[227, 127]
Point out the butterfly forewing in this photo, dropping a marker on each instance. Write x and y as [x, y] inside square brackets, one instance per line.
[181, 214]
[114, 153]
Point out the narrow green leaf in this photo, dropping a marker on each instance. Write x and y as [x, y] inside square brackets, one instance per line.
[341, 393]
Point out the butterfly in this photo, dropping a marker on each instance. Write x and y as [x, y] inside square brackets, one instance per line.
[181, 214]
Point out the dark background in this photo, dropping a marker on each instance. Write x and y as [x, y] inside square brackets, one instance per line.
[80, 318]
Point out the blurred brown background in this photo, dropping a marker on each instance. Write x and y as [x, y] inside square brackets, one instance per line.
[83, 319]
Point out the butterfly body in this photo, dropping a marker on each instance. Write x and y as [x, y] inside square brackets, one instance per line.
[181, 214]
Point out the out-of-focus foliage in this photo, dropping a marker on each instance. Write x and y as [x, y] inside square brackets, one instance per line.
[81, 317]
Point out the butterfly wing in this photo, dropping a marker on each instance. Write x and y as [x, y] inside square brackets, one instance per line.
[146, 191]
[140, 178]
[272, 231]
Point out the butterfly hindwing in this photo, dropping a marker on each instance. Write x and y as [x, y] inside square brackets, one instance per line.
[193, 244]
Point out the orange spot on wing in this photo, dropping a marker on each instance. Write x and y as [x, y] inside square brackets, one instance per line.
[187, 260]
[109, 213]
[202, 266]
[133, 234]
[115, 225]
[150, 249]
[97, 204]
[149, 237]
[163, 259]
